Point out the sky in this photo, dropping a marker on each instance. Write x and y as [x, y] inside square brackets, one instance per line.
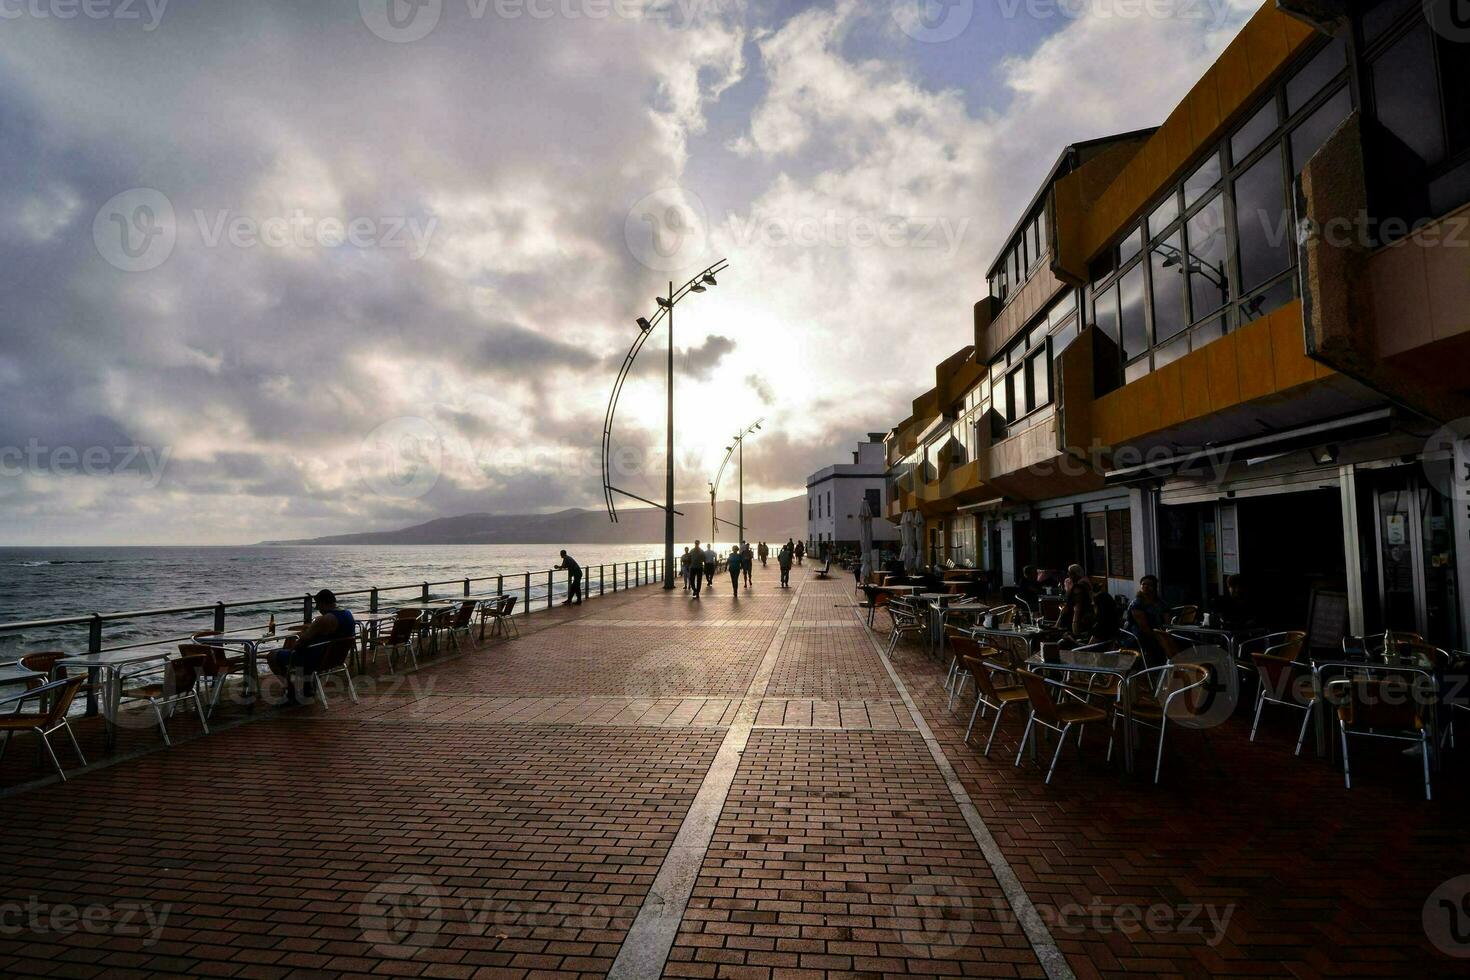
[279, 268]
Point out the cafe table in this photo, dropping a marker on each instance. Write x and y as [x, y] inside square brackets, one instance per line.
[426, 611]
[1116, 663]
[1415, 666]
[935, 604]
[14, 673]
[111, 666]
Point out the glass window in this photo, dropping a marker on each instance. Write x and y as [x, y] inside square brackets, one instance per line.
[1209, 284]
[1136, 370]
[1134, 337]
[1313, 131]
[1063, 338]
[1020, 404]
[1454, 80]
[1105, 311]
[1406, 95]
[1272, 297]
[1038, 371]
[1212, 329]
[1034, 247]
[1001, 390]
[1130, 246]
[1170, 352]
[1254, 132]
[1063, 308]
[1016, 277]
[1042, 244]
[1261, 224]
[1167, 211]
[1038, 334]
[1167, 273]
[1315, 74]
[1205, 176]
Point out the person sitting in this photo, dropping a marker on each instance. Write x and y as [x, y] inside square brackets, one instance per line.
[1147, 617]
[1232, 609]
[1107, 619]
[304, 651]
[1079, 612]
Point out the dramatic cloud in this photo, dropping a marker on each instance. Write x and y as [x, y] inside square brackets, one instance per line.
[272, 269]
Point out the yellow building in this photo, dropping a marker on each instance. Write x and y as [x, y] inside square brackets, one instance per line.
[1235, 344]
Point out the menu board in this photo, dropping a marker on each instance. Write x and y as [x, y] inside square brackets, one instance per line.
[1120, 545]
[1327, 620]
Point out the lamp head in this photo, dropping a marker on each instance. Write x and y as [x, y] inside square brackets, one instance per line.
[663, 302]
[709, 280]
[696, 288]
[644, 325]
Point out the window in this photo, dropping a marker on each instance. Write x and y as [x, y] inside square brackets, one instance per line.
[1204, 178]
[1406, 95]
[1038, 377]
[1134, 337]
[1313, 131]
[1314, 76]
[1272, 297]
[1261, 221]
[874, 497]
[1105, 312]
[1167, 271]
[1209, 284]
[1254, 132]
[1166, 212]
[1129, 246]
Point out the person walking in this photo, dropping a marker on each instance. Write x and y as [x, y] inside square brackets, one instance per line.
[684, 570]
[735, 561]
[763, 550]
[696, 568]
[800, 552]
[783, 559]
[747, 559]
[711, 565]
[574, 579]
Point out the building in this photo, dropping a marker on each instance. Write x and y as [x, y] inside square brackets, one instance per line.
[834, 499]
[1237, 343]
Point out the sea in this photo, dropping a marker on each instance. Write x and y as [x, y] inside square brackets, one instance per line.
[58, 583]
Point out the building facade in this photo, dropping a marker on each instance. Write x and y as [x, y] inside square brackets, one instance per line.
[835, 496]
[1237, 344]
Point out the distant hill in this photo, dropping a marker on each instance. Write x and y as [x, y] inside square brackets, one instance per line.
[772, 521]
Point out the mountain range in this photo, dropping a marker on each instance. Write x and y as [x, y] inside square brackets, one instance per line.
[774, 520]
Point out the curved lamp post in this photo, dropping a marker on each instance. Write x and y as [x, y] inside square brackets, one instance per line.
[737, 443]
[665, 311]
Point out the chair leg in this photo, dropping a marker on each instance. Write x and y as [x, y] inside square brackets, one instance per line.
[4, 745]
[1159, 759]
[1301, 736]
[1061, 741]
[1025, 737]
[1260, 703]
[973, 712]
[76, 746]
[959, 687]
[351, 687]
[199, 707]
[1347, 778]
[52, 753]
[162, 727]
[994, 726]
[321, 690]
[1112, 734]
[1424, 753]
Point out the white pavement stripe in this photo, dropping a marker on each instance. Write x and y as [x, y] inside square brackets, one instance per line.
[646, 947]
[1042, 944]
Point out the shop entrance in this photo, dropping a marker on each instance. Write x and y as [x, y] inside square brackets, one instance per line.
[1412, 557]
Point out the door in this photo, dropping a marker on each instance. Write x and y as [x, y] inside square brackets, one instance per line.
[1418, 588]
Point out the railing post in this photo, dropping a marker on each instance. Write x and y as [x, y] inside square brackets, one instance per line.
[601, 582]
[467, 586]
[550, 588]
[306, 608]
[527, 604]
[500, 583]
[219, 617]
[426, 592]
[373, 599]
[94, 645]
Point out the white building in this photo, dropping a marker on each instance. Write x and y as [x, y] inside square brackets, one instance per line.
[834, 499]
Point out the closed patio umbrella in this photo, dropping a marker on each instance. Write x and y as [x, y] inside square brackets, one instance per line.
[865, 539]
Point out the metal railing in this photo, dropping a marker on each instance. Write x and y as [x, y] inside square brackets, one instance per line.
[528, 585]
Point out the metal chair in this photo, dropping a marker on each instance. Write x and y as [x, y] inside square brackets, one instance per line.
[991, 694]
[1184, 615]
[1383, 703]
[1047, 712]
[906, 622]
[1153, 704]
[401, 636]
[462, 623]
[504, 619]
[218, 666]
[335, 659]
[54, 699]
[1284, 681]
[181, 679]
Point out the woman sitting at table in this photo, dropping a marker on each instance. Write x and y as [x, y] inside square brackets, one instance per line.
[304, 651]
[1147, 617]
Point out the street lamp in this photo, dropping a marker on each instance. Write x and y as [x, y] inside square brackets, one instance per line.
[665, 310]
[738, 443]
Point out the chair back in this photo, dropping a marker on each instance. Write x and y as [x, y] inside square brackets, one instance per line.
[1176, 677]
[335, 654]
[1185, 615]
[984, 673]
[510, 605]
[465, 614]
[1281, 677]
[1002, 617]
[55, 698]
[1382, 700]
[215, 660]
[405, 624]
[183, 672]
[46, 662]
[1038, 692]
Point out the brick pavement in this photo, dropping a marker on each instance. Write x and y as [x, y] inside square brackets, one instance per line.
[505, 812]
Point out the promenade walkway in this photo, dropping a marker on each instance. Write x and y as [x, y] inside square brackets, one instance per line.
[648, 785]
